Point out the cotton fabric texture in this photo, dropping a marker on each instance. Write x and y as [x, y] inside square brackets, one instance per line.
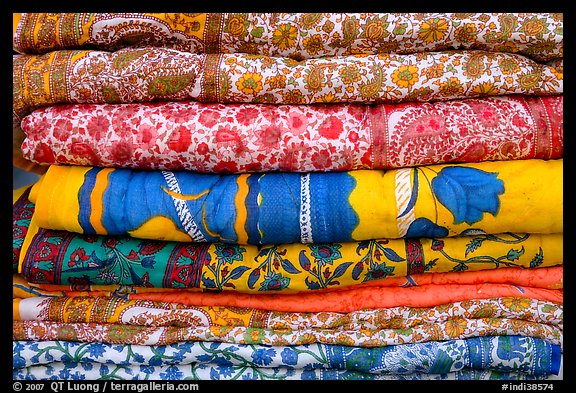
[430, 201]
[242, 138]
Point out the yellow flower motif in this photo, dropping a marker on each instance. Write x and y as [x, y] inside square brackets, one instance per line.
[344, 339]
[509, 66]
[485, 89]
[284, 36]
[433, 29]
[327, 98]
[455, 327]
[276, 81]
[434, 71]
[293, 97]
[350, 74]
[535, 27]
[250, 83]
[516, 304]
[558, 72]
[466, 33]
[452, 87]
[313, 44]
[405, 76]
[254, 335]
[236, 25]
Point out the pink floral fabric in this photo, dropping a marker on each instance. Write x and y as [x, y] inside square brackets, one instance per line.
[208, 137]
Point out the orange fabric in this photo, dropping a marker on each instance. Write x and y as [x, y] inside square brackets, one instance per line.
[355, 299]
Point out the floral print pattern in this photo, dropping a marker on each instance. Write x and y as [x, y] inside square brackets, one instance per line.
[201, 137]
[118, 310]
[295, 35]
[147, 335]
[525, 354]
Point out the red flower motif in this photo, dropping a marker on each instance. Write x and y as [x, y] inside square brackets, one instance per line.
[268, 137]
[331, 128]
[246, 116]
[208, 118]
[180, 140]
[77, 255]
[226, 167]
[43, 154]
[202, 148]
[122, 152]
[321, 160]
[85, 152]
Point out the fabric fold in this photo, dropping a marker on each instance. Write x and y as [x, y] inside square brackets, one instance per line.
[294, 35]
[164, 335]
[432, 201]
[242, 138]
[499, 353]
[122, 311]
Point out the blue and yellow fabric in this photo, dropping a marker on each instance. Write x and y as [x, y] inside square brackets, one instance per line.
[428, 201]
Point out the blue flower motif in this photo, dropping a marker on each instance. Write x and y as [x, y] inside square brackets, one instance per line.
[225, 371]
[172, 372]
[468, 192]
[146, 369]
[96, 350]
[263, 356]
[309, 375]
[18, 361]
[289, 356]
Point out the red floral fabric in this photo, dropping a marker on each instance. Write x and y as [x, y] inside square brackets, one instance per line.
[205, 137]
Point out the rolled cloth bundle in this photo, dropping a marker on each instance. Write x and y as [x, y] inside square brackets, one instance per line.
[429, 201]
[532, 356]
[241, 138]
[294, 35]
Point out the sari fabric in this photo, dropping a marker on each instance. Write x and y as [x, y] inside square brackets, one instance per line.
[294, 35]
[432, 201]
[499, 353]
[146, 335]
[215, 371]
[216, 138]
[118, 310]
[147, 74]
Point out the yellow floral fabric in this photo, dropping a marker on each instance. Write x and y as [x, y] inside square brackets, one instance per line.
[294, 35]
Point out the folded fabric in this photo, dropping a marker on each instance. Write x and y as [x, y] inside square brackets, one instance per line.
[521, 196]
[214, 371]
[345, 299]
[500, 353]
[117, 310]
[164, 335]
[163, 74]
[245, 138]
[22, 211]
[62, 257]
[295, 35]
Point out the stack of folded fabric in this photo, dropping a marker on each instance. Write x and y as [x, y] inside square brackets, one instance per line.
[288, 196]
